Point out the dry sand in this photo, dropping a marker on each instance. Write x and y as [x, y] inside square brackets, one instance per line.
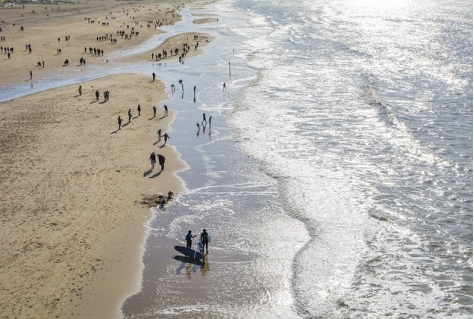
[71, 183]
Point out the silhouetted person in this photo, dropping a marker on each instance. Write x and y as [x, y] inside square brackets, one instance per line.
[154, 75]
[166, 110]
[189, 241]
[161, 160]
[119, 120]
[166, 137]
[152, 160]
[139, 109]
[129, 115]
[154, 111]
[205, 240]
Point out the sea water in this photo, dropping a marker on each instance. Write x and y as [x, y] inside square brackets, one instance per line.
[336, 178]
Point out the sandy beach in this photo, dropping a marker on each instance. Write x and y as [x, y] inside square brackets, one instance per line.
[73, 220]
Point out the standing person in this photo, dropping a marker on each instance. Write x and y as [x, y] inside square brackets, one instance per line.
[97, 94]
[152, 160]
[161, 160]
[210, 121]
[205, 240]
[189, 241]
[166, 110]
[154, 111]
[223, 87]
[204, 118]
[153, 75]
[199, 127]
[159, 134]
[194, 90]
[129, 115]
[80, 90]
[119, 120]
[139, 109]
[166, 137]
[31, 75]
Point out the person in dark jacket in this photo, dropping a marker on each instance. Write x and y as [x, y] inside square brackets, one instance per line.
[205, 241]
[189, 241]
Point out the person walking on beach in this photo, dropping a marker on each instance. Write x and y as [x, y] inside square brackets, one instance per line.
[153, 75]
[139, 109]
[80, 90]
[154, 111]
[199, 127]
[97, 94]
[204, 118]
[159, 134]
[161, 160]
[205, 240]
[152, 160]
[166, 137]
[31, 75]
[210, 121]
[129, 115]
[166, 110]
[189, 241]
[119, 120]
[223, 87]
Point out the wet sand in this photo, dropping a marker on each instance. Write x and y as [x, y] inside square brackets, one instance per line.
[73, 225]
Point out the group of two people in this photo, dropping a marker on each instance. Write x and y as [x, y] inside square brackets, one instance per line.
[205, 238]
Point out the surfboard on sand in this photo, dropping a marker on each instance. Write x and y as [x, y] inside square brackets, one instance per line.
[188, 252]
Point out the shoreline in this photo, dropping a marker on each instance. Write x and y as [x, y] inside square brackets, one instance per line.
[91, 271]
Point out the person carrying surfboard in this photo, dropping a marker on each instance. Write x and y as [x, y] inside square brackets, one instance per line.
[205, 241]
[189, 238]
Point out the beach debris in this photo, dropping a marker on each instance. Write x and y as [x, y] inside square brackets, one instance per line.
[153, 200]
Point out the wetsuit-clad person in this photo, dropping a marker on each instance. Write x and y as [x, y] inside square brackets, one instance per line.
[189, 238]
[205, 241]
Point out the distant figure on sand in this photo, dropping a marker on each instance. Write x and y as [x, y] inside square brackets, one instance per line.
[210, 121]
[139, 109]
[223, 87]
[159, 134]
[119, 120]
[204, 118]
[166, 137]
[152, 160]
[129, 115]
[170, 195]
[189, 241]
[166, 110]
[97, 94]
[199, 127]
[161, 160]
[31, 75]
[153, 75]
[154, 111]
[80, 90]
